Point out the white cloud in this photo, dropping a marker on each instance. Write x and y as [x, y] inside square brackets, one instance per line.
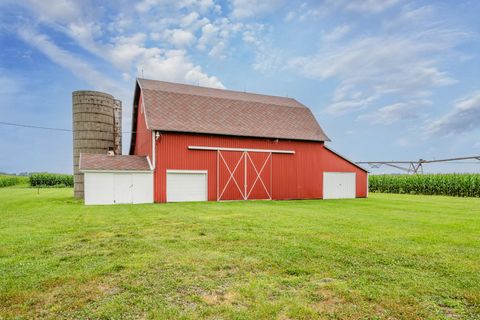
[374, 56]
[251, 8]
[115, 37]
[464, 117]
[76, 65]
[306, 11]
[250, 37]
[319, 9]
[290, 16]
[412, 15]
[395, 112]
[379, 66]
[84, 31]
[370, 6]
[146, 5]
[124, 51]
[130, 51]
[9, 86]
[179, 38]
[337, 33]
[314, 13]
[157, 63]
[218, 51]
[120, 24]
[347, 105]
[193, 22]
[200, 5]
[209, 35]
[62, 10]
[216, 35]
[189, 19]
[174, 65]
[268, 58]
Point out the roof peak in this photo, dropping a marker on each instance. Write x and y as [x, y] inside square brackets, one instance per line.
[160, 85]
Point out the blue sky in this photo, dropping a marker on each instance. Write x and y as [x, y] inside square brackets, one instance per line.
[387, 80]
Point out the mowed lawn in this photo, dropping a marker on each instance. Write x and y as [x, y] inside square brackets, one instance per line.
[385, 257]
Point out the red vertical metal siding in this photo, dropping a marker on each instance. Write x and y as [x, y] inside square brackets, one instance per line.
[293, 176]
[333, 163]
[143, 136]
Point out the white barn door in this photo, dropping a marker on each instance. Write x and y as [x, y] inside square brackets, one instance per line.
[123, 188]
[142, 191]
[99, 188]
[118, 187]
[339, 185]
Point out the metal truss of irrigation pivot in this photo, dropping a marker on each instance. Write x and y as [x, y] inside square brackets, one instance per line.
[413, 166]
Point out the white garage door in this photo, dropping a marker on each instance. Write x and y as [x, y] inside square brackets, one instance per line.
[186, 185]
[338, 185]
[118, 187]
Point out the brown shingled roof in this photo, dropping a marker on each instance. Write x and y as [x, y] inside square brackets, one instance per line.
[187, 108]
[90, 161]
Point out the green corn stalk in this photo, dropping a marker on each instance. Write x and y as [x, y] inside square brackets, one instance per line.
[460, 185]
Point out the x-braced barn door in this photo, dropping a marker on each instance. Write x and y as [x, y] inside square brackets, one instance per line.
[243, 175]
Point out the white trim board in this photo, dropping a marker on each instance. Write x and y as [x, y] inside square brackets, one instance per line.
[186, 171]
[118, 171]
[150, 163]
[240, 149]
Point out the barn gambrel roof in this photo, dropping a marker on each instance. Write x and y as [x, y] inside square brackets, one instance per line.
[193, 109]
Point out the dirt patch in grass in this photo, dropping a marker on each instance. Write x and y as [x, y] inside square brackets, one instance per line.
[220, 297]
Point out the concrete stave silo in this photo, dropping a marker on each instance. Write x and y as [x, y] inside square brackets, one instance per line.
[117, 126]
[96, 128]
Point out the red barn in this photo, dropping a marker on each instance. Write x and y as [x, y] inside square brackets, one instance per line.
[213, 144]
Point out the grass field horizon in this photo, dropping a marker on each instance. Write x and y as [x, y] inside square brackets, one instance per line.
[388, 256]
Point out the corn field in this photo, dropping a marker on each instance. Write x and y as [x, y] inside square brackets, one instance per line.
[459, 185]
[11, 180]
[40, 180]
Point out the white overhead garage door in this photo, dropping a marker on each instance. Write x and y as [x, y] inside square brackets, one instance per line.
[118, 187]
[338, 185]
[186, 185]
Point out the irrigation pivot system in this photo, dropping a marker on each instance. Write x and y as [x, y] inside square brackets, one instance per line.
[413, 167]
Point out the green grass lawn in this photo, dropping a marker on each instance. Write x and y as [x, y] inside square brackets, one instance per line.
[386, 257]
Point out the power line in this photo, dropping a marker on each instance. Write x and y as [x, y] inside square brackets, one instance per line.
[51, 128]
[33, 127]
